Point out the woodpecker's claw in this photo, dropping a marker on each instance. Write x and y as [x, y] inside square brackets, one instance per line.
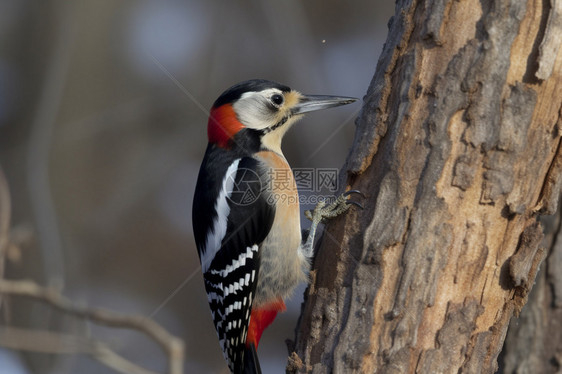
[347, 193]
[355, 203]
[322, 212]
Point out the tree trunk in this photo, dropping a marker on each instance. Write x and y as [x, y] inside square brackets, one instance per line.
[458, 152]
[534, 340]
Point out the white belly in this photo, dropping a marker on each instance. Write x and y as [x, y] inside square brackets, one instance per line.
[282, 264]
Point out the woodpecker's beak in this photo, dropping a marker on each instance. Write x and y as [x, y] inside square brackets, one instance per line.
[310, 103]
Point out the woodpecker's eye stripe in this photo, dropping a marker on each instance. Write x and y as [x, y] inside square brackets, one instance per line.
[233, 93]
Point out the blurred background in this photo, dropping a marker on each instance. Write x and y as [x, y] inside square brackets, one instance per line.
[103, 113]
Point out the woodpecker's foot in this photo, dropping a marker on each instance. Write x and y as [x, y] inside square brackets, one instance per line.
[323, 212]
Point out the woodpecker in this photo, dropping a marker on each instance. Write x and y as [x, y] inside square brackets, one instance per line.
[249, 240]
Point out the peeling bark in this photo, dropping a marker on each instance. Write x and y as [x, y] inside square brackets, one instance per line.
[534, 341]
[458, 151]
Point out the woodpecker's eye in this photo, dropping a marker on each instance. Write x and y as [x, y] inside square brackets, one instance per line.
[277, 99]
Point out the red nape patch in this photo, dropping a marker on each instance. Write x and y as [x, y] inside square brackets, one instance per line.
[222, 125]
[261, 318]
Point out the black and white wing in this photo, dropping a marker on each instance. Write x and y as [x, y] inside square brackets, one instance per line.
[240, 219]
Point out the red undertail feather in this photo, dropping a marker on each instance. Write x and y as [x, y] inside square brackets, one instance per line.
[261, 318]
[223, 125]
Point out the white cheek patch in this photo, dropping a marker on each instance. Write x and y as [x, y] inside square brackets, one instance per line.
[253, 109]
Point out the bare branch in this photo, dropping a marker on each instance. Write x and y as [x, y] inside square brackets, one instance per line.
[5, 213]
[174, 347]
[39, 148]
[57, 343]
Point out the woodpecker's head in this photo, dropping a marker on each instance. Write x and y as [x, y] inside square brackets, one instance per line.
[262, 108]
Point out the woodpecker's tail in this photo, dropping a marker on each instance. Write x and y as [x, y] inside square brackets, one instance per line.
[251, 362]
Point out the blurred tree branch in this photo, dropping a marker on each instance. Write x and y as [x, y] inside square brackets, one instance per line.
[59, 343]
[40, 147]
[174, 347]
[5, 213]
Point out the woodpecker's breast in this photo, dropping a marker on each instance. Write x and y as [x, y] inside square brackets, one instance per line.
[283, 266]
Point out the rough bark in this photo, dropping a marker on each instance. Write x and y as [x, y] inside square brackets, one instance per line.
[458, 151]
[534, 340]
